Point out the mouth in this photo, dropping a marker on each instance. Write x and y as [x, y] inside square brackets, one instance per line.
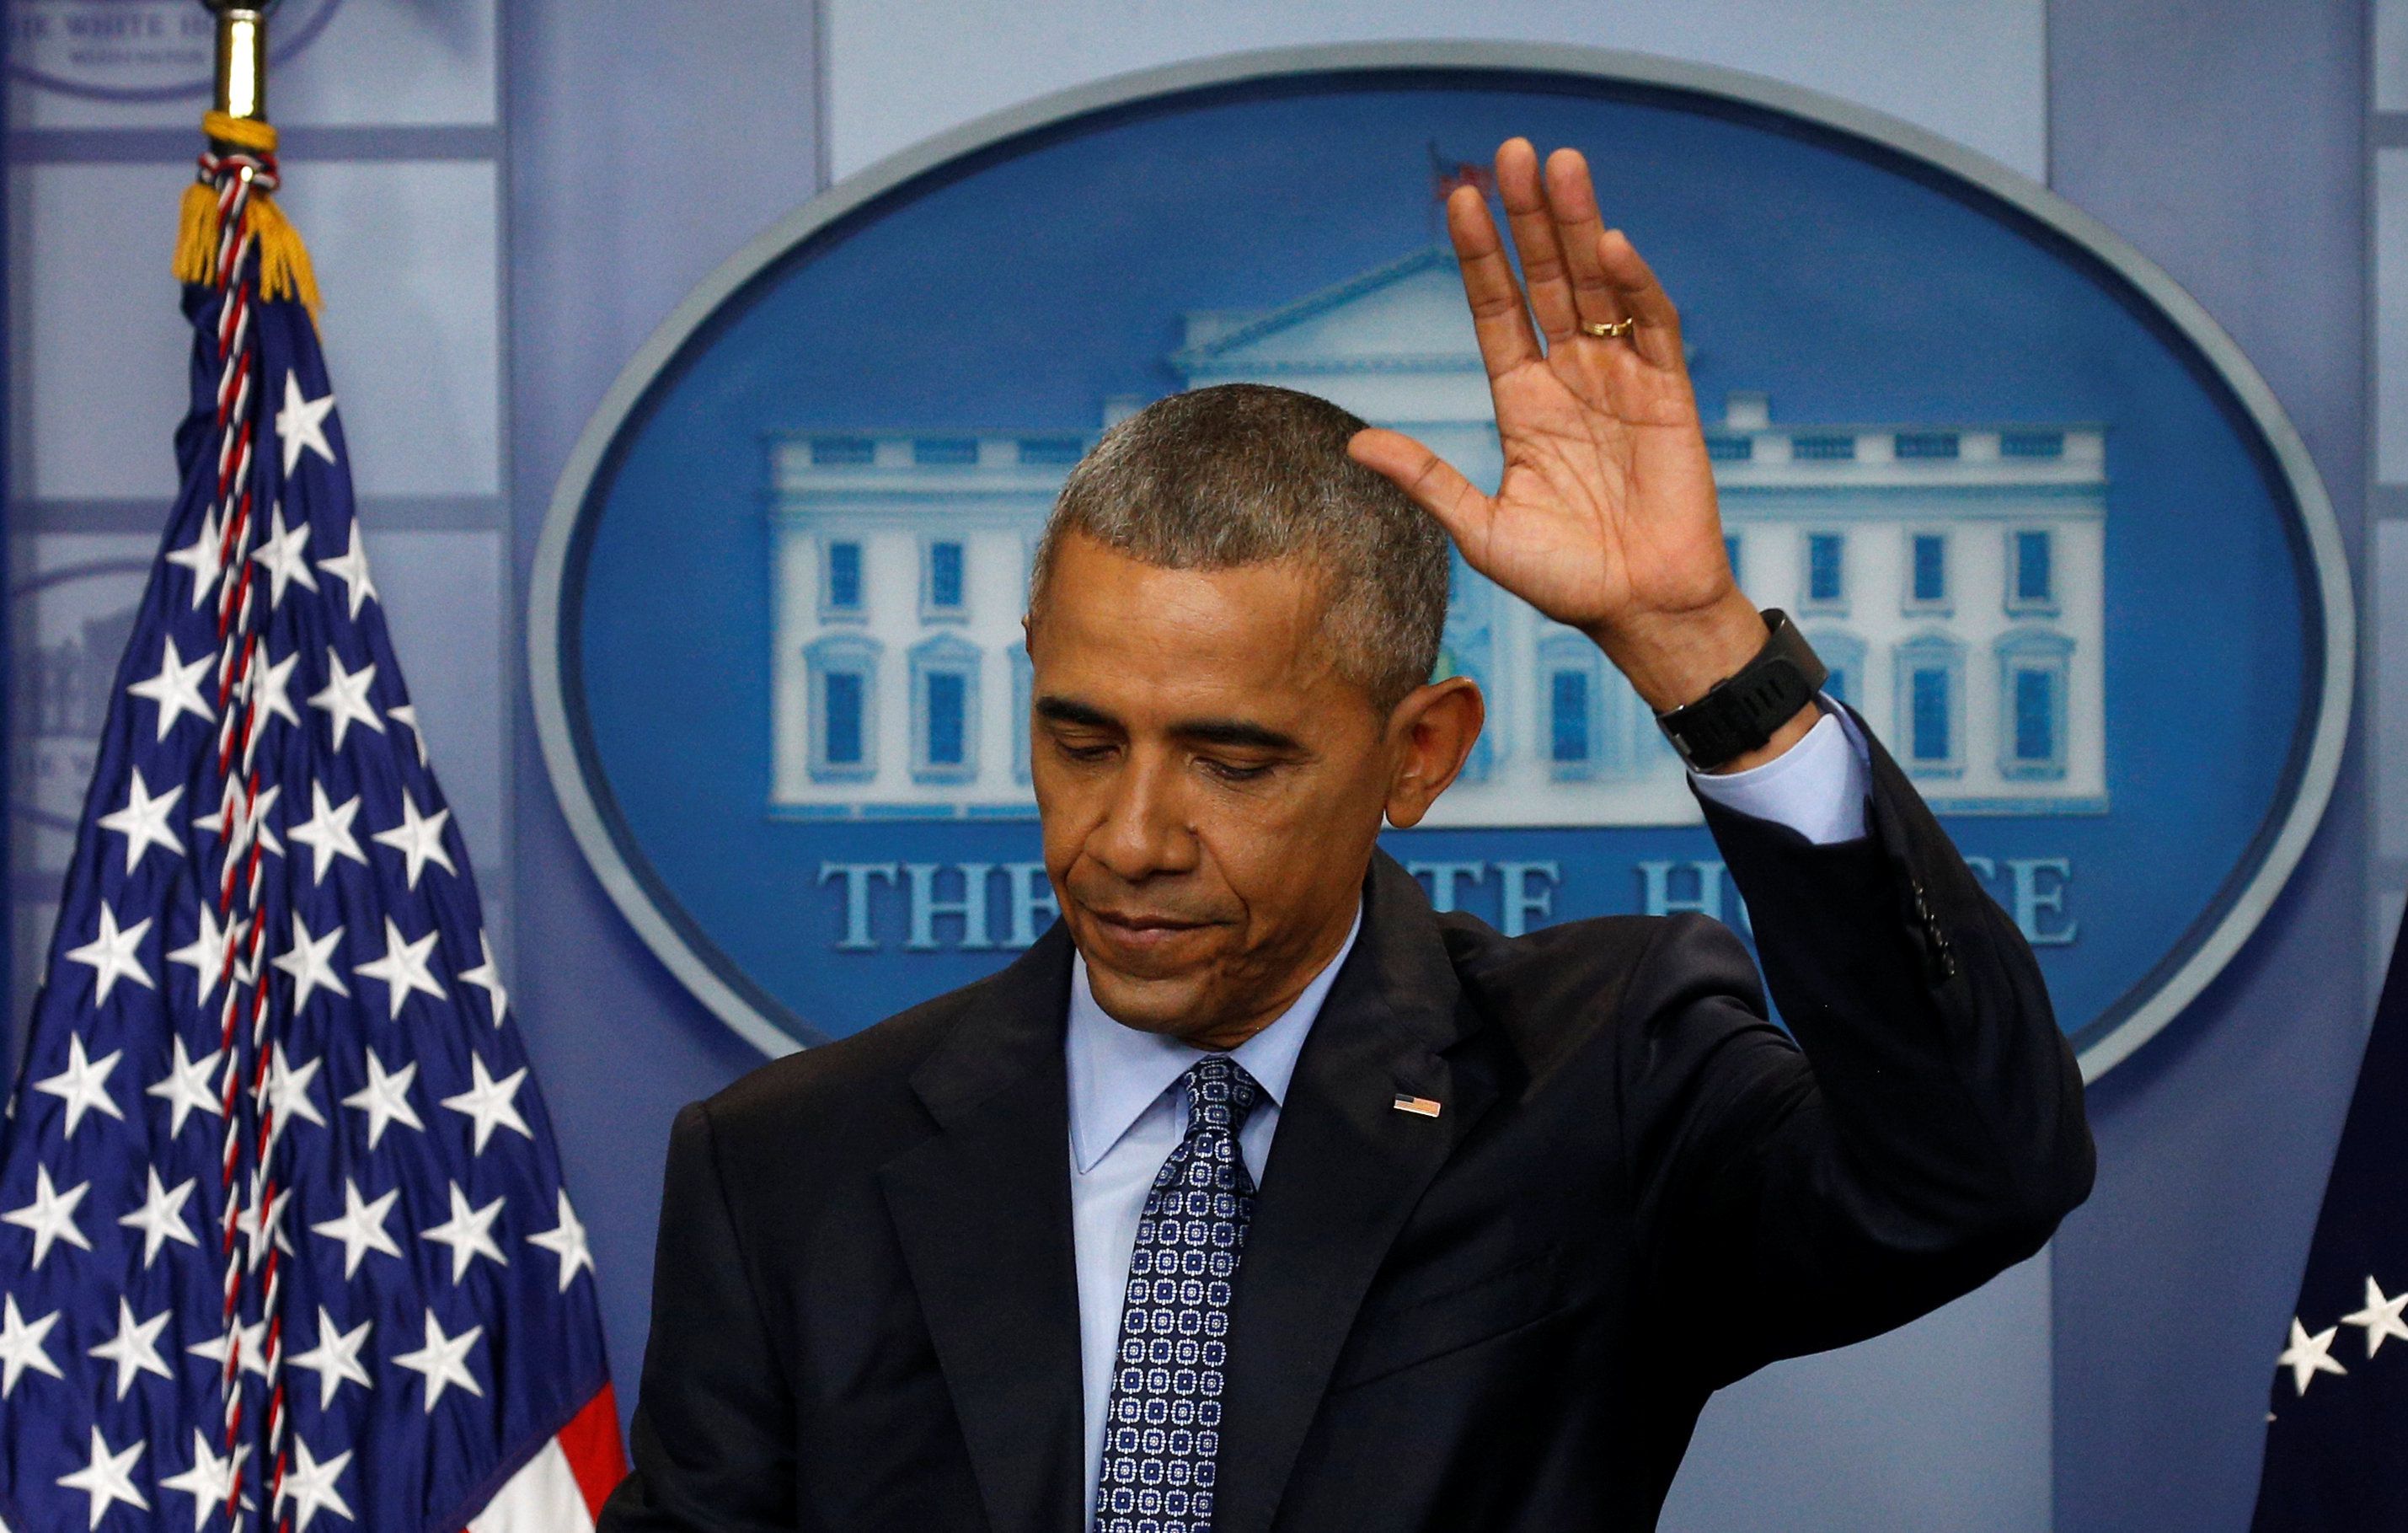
[1136, 933]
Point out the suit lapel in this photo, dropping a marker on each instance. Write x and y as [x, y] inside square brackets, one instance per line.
[1346, 1168]
[983, 1211]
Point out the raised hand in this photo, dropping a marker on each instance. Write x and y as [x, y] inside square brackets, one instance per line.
[1605, 517]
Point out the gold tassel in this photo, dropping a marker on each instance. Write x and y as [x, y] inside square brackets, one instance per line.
[284, 269]
[197, 235]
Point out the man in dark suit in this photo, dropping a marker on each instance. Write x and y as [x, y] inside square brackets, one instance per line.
[1259, 1195]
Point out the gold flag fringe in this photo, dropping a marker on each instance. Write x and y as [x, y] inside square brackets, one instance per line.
[284, 270]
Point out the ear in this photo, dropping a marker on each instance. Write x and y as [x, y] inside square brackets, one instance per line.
[1430, 736]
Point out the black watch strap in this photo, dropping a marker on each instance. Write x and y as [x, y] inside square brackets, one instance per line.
[1744, 709]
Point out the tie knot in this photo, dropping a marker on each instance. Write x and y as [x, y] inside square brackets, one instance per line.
[1219, 1094]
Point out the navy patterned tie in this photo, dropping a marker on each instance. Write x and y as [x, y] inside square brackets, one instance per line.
[1163, 1432]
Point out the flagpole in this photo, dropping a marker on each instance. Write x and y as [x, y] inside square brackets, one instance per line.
[242, 58]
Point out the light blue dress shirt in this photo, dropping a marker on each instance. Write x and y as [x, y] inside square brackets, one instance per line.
[1126, 1114]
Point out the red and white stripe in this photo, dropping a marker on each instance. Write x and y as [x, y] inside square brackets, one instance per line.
[562, 1488]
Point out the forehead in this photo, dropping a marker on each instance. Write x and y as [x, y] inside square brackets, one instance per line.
[1157, 640]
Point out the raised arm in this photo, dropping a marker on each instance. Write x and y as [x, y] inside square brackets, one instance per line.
[1932, 1131]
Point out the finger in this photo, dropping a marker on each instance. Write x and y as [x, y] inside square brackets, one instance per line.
[1571, 203]
[1543, 272]
[1658, 334]
[1430, 480]
[1498, 315]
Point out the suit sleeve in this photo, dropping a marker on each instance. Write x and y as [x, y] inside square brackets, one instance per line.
[1924, 1130]
[713, 1431]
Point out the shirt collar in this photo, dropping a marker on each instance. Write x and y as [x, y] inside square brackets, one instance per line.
[1117, 1072]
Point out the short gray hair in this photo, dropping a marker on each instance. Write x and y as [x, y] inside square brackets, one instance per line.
[1245, 474]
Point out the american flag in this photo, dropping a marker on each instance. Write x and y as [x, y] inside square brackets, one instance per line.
[283, 1238]
[2338, 1410]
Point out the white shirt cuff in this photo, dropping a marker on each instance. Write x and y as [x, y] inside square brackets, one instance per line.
[1817, 787]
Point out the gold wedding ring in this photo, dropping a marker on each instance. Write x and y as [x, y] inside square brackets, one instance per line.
[1608, 332]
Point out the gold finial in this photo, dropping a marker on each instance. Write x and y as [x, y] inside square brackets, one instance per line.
[242, 57]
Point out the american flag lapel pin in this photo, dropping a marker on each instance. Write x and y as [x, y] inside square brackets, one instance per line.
[1421, 1106]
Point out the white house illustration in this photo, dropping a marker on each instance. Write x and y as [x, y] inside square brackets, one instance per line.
[1950, 575]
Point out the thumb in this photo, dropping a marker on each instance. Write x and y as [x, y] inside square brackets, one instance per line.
[1430, 480]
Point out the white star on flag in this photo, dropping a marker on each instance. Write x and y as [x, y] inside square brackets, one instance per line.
[143, 821]
[352, 568]
[83, 1085]
[2381, 1316]
[361, 1227]
[419, 839]
[469, 1233]
[205, 955]
[336, 1358]
[111, 955]
[308, 960]
[161, 1217]
[443, 1360]
[345, 697]
[567, 1242]
[2308, 1355]
[288, 1092]
[262, 1221]
[253, 1340]
[134, 1348]
[310, 1485]
[186, 1085]
[386, 1098]
[51, 1216]
[274, 697]
[487, 977]
[302, 424]
[260, 818]
[285, 555]
[201, 556]
[408, 714]
[403, 967]
[327, 831]
[21, 1347]
[177, 688]
[488, 1102]
[210, 1480]
[109, 1479]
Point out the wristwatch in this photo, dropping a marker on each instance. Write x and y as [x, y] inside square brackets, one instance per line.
[1744, 709]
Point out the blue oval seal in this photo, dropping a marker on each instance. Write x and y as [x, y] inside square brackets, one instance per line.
[2033, 507]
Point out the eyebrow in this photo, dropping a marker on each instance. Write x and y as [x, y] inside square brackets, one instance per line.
[1228, 732]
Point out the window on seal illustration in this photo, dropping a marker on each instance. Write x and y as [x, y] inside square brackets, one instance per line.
[1843, 654]
[1926, 572]
[1931, 705]
[1586, 733]
[2033, 673]
[1731, 552]
[843, 451]
[840, 580]
[844, 708]
[1826, 582]
[942, 580]
[2032, 571]
[1466, 647]
[944, 710]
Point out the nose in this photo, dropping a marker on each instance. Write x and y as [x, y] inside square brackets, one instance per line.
[1144, 831]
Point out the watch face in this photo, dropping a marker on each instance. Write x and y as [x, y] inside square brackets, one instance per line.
[1974, 445]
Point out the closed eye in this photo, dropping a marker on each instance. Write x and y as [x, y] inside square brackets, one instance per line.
[1230, 771]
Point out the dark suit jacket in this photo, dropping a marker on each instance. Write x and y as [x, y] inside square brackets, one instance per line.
[1506, 1317]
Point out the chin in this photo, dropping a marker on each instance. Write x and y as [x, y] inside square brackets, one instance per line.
[1169, 1006]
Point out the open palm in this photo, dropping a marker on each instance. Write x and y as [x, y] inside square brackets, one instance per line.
[1605, 516]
